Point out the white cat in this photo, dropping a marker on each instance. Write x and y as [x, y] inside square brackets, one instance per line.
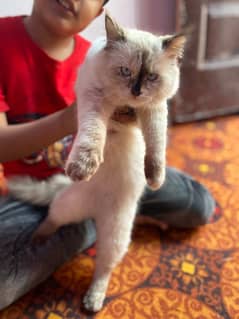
[109, 160]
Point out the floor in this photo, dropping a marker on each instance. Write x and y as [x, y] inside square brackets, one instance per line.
[165, 275]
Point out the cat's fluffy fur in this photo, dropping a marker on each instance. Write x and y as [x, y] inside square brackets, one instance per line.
[109, 160]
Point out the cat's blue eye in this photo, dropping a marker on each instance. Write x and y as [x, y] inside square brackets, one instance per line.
[152, 77]
[125, 71]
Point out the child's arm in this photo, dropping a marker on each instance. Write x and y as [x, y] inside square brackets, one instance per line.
[154, 127]
[18, 141]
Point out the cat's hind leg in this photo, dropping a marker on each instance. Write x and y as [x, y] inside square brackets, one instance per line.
[67, 207]
[44, 231]
[113, 237]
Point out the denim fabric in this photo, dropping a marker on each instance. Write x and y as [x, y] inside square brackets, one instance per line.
[181, 202]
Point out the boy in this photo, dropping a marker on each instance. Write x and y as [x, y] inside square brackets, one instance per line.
[39, 56]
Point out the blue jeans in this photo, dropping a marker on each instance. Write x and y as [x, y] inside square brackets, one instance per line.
[181, 203]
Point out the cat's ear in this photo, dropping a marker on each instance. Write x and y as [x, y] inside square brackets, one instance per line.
[174, 45]
[113, 31]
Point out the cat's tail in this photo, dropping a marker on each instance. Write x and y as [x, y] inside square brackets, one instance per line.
[37, 192]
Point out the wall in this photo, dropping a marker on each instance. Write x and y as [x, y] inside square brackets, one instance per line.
[152, 15]
[156, 15]
[14, 7]
[122, 10]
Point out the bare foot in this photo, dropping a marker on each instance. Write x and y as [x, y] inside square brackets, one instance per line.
[145, 220]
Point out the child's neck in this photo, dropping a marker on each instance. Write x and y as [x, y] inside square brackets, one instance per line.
[58, 48]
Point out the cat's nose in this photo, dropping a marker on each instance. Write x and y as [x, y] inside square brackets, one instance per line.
[136, 90]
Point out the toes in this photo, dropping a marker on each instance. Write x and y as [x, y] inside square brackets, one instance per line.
[93, 301]
[84, 165]
[154, 184]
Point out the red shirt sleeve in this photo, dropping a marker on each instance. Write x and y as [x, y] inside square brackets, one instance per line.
[3, 105]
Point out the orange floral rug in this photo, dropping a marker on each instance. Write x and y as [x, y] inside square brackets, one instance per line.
[165, 275]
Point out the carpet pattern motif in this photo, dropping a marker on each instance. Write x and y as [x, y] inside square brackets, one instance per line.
[166, 275]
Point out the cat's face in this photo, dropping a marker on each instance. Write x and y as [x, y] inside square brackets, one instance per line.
[142, 68]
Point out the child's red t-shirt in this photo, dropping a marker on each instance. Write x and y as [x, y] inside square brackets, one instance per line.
[33, 85]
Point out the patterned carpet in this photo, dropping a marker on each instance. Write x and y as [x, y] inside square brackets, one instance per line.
[178, 274]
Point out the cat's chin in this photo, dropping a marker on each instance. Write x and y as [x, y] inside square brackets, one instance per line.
[140, 102]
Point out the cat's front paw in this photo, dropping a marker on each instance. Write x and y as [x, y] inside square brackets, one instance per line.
[154, 173]
[84, 165]
[93, 301]
[155, 183]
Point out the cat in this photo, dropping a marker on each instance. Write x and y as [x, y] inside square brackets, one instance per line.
[110, 162]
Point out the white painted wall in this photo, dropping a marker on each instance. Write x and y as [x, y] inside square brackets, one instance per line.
[152, 15]
[14, 7]
[122, 10]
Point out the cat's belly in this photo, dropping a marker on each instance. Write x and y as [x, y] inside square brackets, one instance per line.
[120, 179]
[123, 161]
[124, 157]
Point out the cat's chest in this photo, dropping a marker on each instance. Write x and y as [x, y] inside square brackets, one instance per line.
[125, 114]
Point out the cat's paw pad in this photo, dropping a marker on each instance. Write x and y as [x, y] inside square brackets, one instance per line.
[155, 183]
[85, 165]
[154, 173]
[93, 301]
